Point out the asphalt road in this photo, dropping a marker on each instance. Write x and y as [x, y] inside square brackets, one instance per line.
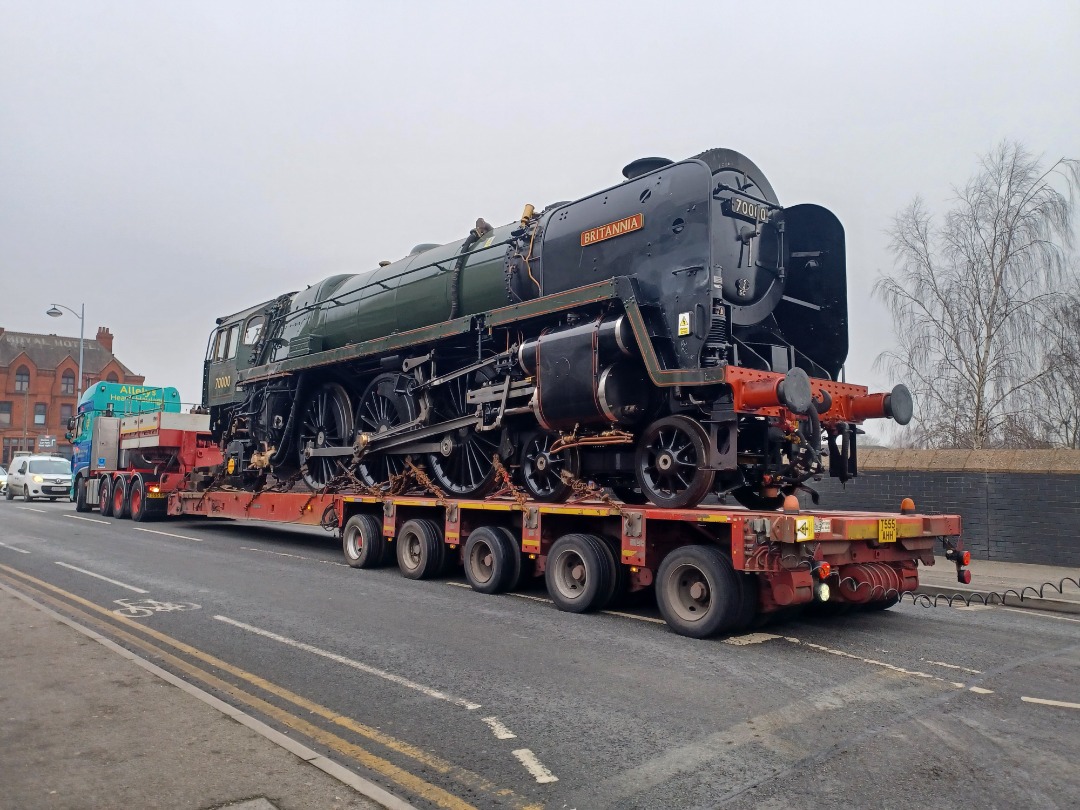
[451, 698]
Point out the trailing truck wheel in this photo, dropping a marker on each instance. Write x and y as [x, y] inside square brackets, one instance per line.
[141, 510]
[121, 505]
[697, 592]
[492, 560]
[105, 496]
[421, 553]
[363, 542]
[80, 495]
[579, 573]
[669, 460]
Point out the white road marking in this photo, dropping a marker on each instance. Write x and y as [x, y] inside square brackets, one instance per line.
[535, 766]
[1042, 614]
[1060, 703]
[167, 534]
[341, 659]
[31, 509]
[978, 690]
[99, 576]
[972, 607]
[20, 550]
[294, 556]
[500, 730]
[635, 617]
[90, 520]
[460, 584]
[750, 638]
[533, 598]
[952, 666]
[884, 665]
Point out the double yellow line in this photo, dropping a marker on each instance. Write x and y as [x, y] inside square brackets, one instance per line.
[49, 593]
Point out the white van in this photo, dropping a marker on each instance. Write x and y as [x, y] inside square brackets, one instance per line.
[39, 477]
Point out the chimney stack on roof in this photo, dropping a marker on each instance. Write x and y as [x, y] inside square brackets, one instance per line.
[105, 338]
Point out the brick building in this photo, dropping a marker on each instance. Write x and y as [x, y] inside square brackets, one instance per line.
[38, 386]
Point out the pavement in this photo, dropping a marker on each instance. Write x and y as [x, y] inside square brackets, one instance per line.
[1037, 587]
[85, 723]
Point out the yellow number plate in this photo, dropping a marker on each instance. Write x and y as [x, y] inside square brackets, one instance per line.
[886, 530]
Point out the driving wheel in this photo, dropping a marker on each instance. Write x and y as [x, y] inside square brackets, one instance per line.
[463, 466]
[383, 407]
[325, 421]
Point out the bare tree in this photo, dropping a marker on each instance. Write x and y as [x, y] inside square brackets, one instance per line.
[970, 299]
[1054, 404]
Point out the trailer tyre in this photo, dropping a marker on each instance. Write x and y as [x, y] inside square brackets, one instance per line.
[697, 592]
[121, 500]
[579, 573]
[80, 495]
[749, 588]
[105, 496]
[363, 542]
[421, 553]
[492, 560]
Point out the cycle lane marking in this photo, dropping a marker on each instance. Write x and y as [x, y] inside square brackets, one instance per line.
[341, 659]
[102, 577]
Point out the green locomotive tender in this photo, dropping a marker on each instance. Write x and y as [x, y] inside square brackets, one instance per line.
[672, 336]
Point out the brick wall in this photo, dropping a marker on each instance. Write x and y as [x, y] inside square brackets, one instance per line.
[1017, 506]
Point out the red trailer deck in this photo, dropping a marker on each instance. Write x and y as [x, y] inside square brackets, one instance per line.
[713, 568]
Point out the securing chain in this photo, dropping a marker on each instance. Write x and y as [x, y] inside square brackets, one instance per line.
[585, 490]
[508, 485]
[421, 478]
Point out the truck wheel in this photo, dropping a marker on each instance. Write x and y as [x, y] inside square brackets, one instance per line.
[121, 504]
[579, 574]
[421, 552]
[80, 495]
[880, 604]
[697, 592]
[363, 542]
[139, 505]
[105, 496]
[749, 588]
[492, 560]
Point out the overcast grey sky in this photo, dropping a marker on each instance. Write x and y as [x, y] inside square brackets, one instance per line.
[170, 162]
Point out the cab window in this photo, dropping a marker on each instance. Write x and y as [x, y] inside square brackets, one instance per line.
[253, 330]
[218, 353]
[230, 341]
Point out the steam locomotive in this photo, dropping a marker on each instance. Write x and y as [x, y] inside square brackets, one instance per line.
[675, 335]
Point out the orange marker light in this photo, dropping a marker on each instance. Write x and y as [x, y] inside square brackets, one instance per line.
[907, 506]
[823, 571]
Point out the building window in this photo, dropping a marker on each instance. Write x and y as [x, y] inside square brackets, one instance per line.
[5, 414]
[39, 413]
[11, 445]
[66, 412]
[112, 377]
[22, 379]
[67, 383]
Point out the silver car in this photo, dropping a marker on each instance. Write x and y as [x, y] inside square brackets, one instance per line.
[39, 477]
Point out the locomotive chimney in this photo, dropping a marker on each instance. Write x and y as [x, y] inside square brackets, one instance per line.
[636, 168]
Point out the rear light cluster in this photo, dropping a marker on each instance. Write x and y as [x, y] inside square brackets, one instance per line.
[962, 559]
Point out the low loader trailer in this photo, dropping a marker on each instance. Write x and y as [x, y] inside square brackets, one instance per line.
[713, 569]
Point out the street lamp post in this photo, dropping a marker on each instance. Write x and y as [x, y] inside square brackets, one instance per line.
[54, 312]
